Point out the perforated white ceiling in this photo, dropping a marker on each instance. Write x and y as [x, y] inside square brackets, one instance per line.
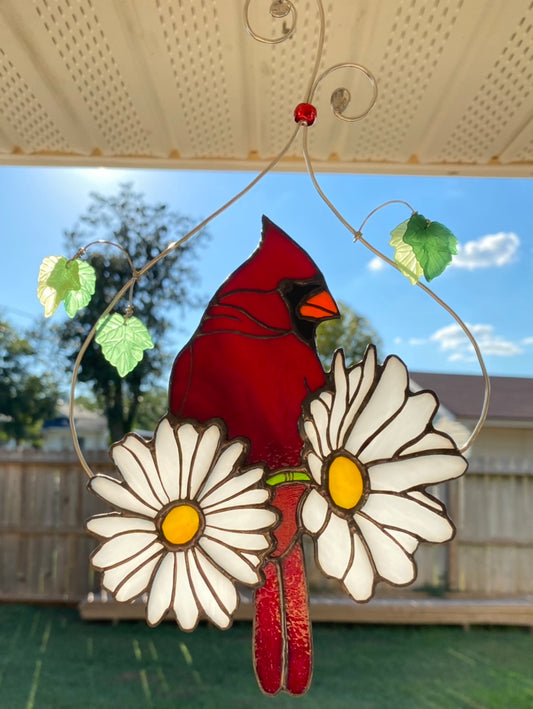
[180, 83]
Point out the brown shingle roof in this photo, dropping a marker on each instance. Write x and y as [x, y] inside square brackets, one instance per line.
[462, 395]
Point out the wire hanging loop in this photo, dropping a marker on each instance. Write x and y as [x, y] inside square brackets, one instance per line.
[341, 97]
[279, 10]
[358, 237]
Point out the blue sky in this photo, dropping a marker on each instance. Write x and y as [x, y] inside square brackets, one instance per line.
[490, 283]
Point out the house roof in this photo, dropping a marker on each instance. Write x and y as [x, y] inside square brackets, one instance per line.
[183, 85]
[86, 421]
[511, 397]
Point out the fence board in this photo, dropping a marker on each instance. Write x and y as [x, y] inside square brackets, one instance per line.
[495, 533]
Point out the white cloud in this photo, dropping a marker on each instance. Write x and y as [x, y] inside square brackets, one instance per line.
[487, 251]
[462, 357]
[453, 340]
[376, 264]
[527, 341]
[416, 341]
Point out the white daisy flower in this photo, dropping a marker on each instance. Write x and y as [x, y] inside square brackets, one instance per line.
[191, 523]
[371, 450]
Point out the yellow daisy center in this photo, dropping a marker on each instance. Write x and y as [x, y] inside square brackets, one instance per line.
[345, 482]
[180, 524]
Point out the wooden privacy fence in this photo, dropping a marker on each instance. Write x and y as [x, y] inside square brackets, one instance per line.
[44, 549]
[493, 511]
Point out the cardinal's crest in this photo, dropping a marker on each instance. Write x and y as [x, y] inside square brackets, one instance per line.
[261, 446]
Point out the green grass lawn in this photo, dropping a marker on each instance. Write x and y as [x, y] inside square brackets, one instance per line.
[50, 659]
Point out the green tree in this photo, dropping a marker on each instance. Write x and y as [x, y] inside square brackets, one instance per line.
[351, 332]
[27, 398]
[152, 406]
[143, 230]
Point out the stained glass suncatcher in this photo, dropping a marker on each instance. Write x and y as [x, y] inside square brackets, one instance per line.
[260, 446]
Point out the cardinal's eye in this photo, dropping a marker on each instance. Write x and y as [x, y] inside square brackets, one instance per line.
[305, 313]
[296, 294]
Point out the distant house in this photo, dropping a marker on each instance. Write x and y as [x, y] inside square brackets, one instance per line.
[90, 425]
[506, 441]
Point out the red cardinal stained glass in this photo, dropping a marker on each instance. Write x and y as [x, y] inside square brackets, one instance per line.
[252, 362]
[261, 446]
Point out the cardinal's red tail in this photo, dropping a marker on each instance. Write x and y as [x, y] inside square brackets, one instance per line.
[282, 631]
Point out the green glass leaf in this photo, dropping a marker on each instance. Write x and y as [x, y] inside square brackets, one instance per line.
[65, 277]
[56, 278]
[404, 255]
[78, 299]
[433, 244]
[123, 341]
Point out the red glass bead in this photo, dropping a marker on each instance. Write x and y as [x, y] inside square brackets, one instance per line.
[305, 112]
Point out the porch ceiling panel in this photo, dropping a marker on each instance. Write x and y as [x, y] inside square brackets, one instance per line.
[180, 83]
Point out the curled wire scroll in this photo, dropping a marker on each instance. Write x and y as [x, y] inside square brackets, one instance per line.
[279, 10]
[340, 99]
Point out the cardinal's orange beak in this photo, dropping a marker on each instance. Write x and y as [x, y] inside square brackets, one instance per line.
[319, 306]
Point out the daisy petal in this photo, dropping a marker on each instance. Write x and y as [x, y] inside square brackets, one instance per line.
[231, 487]
[250, 520]
[113, 576]
[222, 587]
[138, 582]
[187, 440]
[185, 606]
[224, 466]
[334, 547]
[327, 398]
[408, 542]
[397, 511]
[122, 548]
[319, 412]
[314, 439]
[406, 473]
[168, 459]
[205, 453]
[112, 524]
[315, 466]
[118, 496]
[426, 499]
[386, 399]
[314, 512]
[408, 424]
[162, 591]
[340, 399]
[230, 561]
[359, 581]
[143, 453]
[252, 558]
[354, 380]
[134, 475]
[429, 442]
[391, 561]
[238, 540]
[207, 601]
[248, 498]
[360, 380]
